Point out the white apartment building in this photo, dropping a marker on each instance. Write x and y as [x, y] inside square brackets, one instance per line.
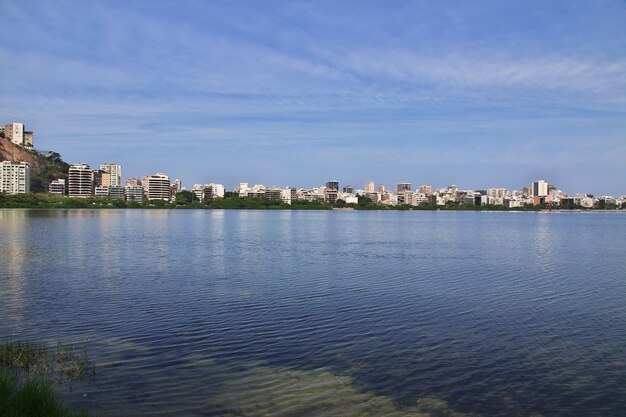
[101, 191]
[213, 191]
[80, 181]
[158, 187]
[57, 187]
[14, 177]
[198, 191]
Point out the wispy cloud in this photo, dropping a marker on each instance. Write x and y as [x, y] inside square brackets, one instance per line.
[465, 83]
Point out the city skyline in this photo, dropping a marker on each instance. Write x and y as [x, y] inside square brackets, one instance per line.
[488, 95]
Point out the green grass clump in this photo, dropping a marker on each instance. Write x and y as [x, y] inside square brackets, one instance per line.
[25, 397]
[29, 374]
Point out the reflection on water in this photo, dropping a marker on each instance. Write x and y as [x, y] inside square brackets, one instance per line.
[256, 313]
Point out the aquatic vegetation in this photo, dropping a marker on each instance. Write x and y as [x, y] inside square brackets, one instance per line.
[65, 363]
[33, 396]
[29, 374]
[271, 391]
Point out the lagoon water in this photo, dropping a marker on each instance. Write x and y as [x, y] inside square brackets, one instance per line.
[315, 313]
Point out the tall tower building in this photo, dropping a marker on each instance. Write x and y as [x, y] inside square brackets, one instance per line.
[332, 185]
[403, 186]
[369, 187]
[116, 173]
[14, 177]
[80, 181]
[158, 187]
[540, 188]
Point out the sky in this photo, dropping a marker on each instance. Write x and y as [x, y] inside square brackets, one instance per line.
[296, 93]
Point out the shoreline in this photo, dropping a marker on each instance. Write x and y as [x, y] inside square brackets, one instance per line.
[338, 209]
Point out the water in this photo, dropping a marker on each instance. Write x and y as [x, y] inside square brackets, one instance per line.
[314, 313]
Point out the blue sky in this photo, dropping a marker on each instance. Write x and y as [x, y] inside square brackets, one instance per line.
[479, 94]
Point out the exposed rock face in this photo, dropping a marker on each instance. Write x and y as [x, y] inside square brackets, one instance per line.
[43, 168]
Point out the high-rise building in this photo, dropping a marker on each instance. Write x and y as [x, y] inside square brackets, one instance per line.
[333, 185]
[540, 188]
[381, 188]
[115, 171]
[369, 187]
[330, 196]
[96, 178]
[403, 186]
[80, 181]
[425, 189]
[135, 182]
[57, 187]
[105, 179]
[348, 189]
[158, 187]
[176, 187]
[14, 177]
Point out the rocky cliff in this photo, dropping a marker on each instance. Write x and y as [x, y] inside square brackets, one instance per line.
[43, 167]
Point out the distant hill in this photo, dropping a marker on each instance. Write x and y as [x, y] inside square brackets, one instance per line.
[44, 167]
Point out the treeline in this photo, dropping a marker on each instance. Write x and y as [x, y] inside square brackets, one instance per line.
[33, 200]
[186, 200]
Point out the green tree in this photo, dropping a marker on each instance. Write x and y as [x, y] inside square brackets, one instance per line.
[184, 197]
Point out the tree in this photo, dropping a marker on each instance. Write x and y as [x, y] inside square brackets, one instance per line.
[184, 197]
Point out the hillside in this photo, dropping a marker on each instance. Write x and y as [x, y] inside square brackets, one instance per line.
[43, 167]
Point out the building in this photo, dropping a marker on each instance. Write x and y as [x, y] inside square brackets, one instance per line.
[135, 182]
[101, 191]
[14, 177]
[425, 189]
[289, 194]
[273, 194]
[158, 187]
[28, 139]
[57, 187]
[79, 181]
[540, 188]
[212, 191]
[16, 133]
[403, 186]
[381, 188]
[96, 178]
[115, 174]
[134, 193]
[330, 196]
[116, 192]
[334, 185]
[369, 187]
[348, 189]
[176, 187]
